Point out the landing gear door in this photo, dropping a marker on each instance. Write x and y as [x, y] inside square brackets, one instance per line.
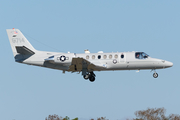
[122, 58]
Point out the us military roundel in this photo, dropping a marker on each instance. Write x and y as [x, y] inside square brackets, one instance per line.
[62, 58]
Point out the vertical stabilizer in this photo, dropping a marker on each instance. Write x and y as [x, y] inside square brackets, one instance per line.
[19, 44]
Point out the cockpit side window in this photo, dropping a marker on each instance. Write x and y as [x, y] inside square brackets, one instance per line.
[144, 55]
[137, 55]
[141, 55]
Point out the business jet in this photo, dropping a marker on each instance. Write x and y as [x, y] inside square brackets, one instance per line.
[86, 62]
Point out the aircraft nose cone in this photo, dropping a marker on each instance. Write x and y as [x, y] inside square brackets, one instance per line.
[168, 64]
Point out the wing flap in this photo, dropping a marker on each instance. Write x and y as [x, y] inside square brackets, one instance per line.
[78, 64]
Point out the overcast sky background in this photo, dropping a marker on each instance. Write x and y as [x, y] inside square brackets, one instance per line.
[33, 93]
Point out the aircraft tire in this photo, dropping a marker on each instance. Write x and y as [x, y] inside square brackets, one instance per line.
[155, 75]
[86, 77]
[92, 78]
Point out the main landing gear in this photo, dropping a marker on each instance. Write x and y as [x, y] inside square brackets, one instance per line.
[91, 76]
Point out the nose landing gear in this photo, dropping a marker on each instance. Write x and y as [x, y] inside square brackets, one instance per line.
[155, 75]
[91, 76]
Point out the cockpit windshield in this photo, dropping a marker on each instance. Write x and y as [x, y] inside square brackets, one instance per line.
[141, 55]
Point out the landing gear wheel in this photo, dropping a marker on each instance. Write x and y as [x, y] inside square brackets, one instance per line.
[86, 77]
[155, 75]
[92, 78]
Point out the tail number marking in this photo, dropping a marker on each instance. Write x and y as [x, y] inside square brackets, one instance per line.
[18, 40]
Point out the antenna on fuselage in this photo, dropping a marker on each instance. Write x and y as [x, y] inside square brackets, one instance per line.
[86, 51]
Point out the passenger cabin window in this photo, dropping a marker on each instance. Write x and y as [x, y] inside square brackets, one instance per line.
[116, 56]
[87, 57]
[110, 56]
[93, 57]
[105, 56]
[99, 56]
[122, 56]
[141, 55]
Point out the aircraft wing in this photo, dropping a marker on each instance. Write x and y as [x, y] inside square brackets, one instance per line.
[78, 64]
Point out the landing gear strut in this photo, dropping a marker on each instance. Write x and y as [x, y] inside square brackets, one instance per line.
[91, 76]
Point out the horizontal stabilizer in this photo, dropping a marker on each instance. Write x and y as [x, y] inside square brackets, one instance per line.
[24, 50]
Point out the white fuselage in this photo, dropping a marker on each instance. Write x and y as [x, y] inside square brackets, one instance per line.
[109, 61]
[86, 63]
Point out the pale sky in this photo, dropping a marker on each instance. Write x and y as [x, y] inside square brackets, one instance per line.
[33, 93]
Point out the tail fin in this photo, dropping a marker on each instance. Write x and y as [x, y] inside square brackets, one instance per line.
[19, 44]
